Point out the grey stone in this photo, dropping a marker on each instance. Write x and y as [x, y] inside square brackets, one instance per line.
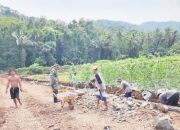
[116, 107]
[130, 103]
[163, 123]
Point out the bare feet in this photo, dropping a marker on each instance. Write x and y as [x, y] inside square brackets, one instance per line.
[19, 101]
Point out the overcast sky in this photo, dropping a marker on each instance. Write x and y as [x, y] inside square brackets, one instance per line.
[133, 11]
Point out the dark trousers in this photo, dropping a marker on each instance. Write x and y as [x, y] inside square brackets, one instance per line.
[173, 101]
[55, 92]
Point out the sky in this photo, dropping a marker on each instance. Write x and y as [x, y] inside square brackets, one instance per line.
[132, 11]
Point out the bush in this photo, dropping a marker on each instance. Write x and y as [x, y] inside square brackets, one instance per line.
[35, 69]
[40, 61]
[149, 56]
[23, 71]
[175, 49]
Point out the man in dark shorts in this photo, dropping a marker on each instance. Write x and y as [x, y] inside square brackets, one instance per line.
[100, 84]
[15, 82]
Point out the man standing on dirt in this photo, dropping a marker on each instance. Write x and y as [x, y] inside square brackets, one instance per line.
[74, 81]
[54, 81]
[99, 82]
[126, 87]
[15, 82]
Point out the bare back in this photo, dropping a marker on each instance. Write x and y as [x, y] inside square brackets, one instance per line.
[14, 81]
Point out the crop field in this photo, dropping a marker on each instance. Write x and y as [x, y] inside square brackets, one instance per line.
[146, 73]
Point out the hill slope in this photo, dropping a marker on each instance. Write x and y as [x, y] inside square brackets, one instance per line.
[147, 26]
[108, 24]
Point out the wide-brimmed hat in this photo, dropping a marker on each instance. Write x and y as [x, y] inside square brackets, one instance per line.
[56, 65]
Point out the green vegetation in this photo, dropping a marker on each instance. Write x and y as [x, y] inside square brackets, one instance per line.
[28, 40]
[148, 73]
[147, 26]
[29, 43]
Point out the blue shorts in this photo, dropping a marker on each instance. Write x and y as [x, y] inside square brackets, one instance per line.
[128, 94]
[101, 97]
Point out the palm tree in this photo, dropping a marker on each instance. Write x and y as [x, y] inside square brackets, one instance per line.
[102, 43]
[22, 42]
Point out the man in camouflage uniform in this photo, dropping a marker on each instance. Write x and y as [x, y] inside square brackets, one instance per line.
[54, 81]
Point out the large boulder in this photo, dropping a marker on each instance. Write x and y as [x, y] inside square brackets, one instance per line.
[163, 123]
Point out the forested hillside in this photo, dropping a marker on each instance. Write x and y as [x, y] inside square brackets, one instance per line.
[146, 26]
[28, 40]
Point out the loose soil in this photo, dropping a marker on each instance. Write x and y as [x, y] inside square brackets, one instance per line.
[39, 113]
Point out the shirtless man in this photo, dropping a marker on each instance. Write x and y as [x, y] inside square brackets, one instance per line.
[15, 82]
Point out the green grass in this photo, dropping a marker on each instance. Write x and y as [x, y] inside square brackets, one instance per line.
[147, 73]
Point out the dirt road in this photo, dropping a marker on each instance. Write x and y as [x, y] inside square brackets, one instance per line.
[39, 113]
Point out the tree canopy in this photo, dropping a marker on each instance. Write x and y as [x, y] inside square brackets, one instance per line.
[28, 40]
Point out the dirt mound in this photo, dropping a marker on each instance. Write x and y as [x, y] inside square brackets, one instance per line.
[110, 89]
[42, 82]
[135, 94]
[2, 120]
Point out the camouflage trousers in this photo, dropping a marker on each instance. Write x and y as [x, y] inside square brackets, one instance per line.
[55, 92]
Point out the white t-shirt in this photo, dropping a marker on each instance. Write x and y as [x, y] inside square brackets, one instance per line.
[99, 81]
[74, 79]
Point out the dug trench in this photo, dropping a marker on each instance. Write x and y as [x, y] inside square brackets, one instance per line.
[110, 89]
[38, 112]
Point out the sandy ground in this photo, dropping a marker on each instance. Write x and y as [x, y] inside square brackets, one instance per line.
[39, 113]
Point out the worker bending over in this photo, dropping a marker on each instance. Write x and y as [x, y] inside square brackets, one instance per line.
[168, 97]
[125, 86]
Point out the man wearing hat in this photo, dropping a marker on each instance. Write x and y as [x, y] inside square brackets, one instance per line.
[125, 86]
[54, 81]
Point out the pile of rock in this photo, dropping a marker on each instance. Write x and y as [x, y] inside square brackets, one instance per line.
[119, 107]
[123, 109]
